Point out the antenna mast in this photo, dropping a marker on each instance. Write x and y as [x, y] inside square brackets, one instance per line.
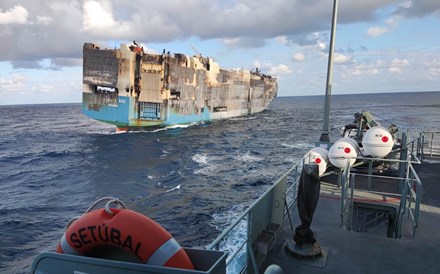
[325, 127]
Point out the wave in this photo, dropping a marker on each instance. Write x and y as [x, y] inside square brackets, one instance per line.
[200, 158]
[152, 129]
[171, 127]
[247, 157]
[164, 154]
[29, 158]
[236, 237]
[174, 188]
[298, 145]
[206, 162]
[236, 163]
[244, 118]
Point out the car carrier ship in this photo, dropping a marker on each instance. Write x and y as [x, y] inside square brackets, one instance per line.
[130, 88]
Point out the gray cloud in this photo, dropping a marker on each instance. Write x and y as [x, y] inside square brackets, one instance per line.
[16, 64]
[245, 42]
[419, 8]
[361, 11]
[53, 29]
[67, 62]
[308, 39]
[48, 65]
[57, 29]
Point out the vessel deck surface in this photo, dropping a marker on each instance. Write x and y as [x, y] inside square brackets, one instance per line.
[368, 252]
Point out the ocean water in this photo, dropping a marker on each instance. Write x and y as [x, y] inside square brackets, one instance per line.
[192, 179]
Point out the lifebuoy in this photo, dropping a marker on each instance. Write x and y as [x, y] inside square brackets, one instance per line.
[127, 230]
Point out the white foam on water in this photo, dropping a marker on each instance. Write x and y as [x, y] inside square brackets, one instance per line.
[298, 145]
[174, 127]
[154, 130]
[209, 164]
[200, 158]
[205, 162]
[164, 154]
[245, 118]
[174, 188]
[236, 236]
[247, 157]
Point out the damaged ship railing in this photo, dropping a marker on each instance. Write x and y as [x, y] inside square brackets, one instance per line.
[260, 225]
[409, 185]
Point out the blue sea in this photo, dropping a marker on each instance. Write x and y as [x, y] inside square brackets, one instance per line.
[192, 179]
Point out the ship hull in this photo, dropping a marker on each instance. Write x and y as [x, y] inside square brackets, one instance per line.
[129, 88]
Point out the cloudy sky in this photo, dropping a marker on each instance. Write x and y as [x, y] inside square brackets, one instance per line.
[381, 45]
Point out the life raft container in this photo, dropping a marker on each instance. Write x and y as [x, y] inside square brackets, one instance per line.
[127, 230]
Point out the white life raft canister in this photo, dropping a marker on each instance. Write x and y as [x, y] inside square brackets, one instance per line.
[343, 151]
[319, 156]
[377, 142]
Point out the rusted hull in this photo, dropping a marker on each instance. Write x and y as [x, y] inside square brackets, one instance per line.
[129, 88]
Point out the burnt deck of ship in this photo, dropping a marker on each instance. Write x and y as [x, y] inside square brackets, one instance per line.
[368, 252]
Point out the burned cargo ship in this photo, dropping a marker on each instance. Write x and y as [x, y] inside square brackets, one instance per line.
[130, 88]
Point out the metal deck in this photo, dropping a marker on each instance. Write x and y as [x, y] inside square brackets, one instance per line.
[369, 252]
[367, 221]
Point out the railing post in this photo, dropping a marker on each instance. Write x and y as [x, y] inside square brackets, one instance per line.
[420, 146]
[402, 209]
[342, 186]
[345, 177]
[403, 158]
[370, 172]
[417, 206]
[339, 178]
[412, 150]
[349, 219]
[249, 252]
[288, 216]
[410, 192]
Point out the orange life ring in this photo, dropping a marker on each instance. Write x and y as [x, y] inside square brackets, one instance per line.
[127, 230]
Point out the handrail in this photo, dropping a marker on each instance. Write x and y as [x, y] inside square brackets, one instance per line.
[246, 212]
[411, 186]
[295, 170]
[416, 195]
[432, 142]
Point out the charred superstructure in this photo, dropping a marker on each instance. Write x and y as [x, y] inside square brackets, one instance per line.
[130, 88]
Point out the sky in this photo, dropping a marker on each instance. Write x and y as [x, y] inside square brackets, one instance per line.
[380, 45]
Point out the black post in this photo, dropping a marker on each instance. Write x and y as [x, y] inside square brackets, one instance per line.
[308, 195]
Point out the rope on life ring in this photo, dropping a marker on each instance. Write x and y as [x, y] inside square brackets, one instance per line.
[126, 230]
[111, 200]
